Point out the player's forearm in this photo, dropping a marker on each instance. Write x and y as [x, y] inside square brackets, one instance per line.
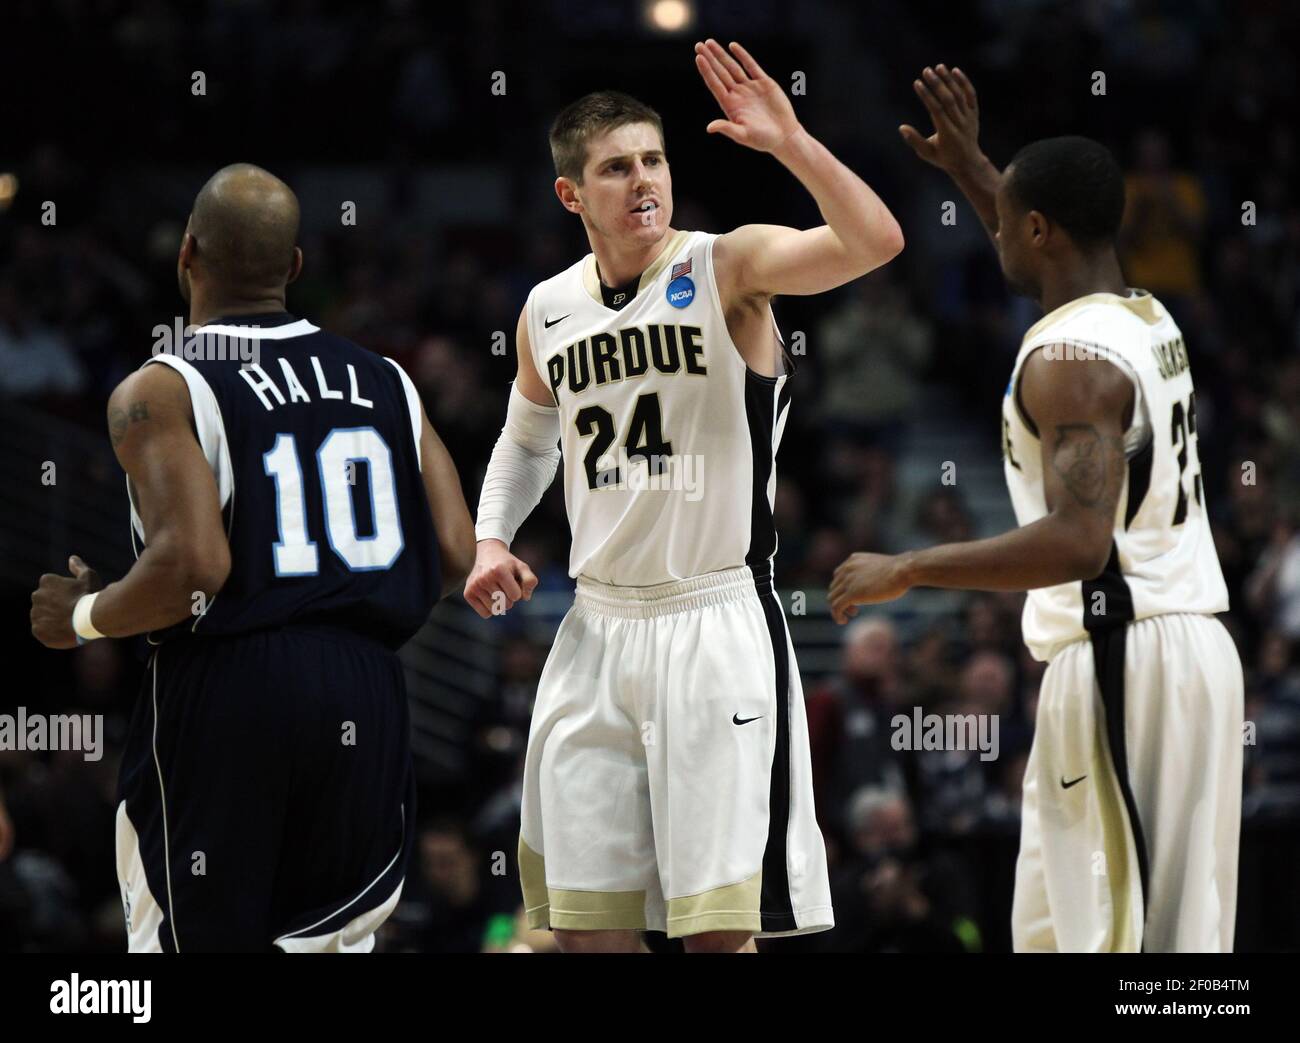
[1041, 554]
[978, 182]
[857, 216]
[161, 590]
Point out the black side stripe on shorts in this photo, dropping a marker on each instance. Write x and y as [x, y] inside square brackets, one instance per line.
[764, 404]
[1108, 630]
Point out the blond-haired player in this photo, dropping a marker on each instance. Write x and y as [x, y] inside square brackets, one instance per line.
[667, 783]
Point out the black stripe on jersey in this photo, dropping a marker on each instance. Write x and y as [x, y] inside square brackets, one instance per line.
[1116, 601]
[762, 411]
[764, 406]
[1108, 647]
[1139, 480]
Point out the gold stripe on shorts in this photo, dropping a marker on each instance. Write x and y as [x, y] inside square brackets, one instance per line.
[556, 908]
[734, 907]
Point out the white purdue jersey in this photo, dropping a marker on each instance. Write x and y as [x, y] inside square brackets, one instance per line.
[668, 438]
[1162, 556]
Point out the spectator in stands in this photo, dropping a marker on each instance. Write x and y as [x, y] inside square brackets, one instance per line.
[891, 896]
[849, 721]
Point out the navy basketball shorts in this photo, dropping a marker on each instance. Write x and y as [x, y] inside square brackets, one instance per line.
[266, 797]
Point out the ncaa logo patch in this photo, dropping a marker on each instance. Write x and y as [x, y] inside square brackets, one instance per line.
[681, 291]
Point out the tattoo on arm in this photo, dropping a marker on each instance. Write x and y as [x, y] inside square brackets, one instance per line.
[119, 418]
[1090, 465]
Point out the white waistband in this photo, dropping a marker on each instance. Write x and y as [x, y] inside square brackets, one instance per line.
[662, 599]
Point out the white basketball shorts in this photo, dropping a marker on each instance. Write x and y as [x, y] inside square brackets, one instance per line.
[668, 784]
[1132, 794]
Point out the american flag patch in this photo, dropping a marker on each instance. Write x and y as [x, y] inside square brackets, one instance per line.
[680, 269]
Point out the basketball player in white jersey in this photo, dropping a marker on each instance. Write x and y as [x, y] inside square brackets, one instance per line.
[1132, 793]
[667, 784]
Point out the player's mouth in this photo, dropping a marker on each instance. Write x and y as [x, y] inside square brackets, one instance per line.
[646, 206]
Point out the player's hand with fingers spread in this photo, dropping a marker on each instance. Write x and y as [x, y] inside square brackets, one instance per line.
[55, 598]
[864, 579]
[758, 112]
[498, 580]
[950, 99]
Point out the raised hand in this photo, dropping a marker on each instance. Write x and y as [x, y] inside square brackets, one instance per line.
[758, 112]
[950, 99]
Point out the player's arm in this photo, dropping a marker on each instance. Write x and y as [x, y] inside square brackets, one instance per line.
[150, 422]
[954, 147]
[521, 469]
[860, 233]
[1081, 407]
[451, 520]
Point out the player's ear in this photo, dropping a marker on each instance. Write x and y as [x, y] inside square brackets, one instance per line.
[189, 247]
[568, 194]
[1039, 229]
[295, 266]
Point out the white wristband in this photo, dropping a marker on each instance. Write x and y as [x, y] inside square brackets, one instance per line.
[81, 623]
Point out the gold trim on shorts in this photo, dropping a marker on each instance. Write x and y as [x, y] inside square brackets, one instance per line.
[554, 908]
[734, 907]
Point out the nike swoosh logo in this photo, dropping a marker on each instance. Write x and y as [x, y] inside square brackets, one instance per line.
[737, 719]
[552, 322]
[1067, 785]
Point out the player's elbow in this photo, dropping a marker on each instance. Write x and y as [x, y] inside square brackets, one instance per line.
[892, 242]
[203, 568]
[886, 244]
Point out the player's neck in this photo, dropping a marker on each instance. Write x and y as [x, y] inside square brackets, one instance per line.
[204, 309]
[619, 264]
[1100, 273]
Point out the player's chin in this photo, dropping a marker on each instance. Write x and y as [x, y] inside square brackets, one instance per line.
[646, 225]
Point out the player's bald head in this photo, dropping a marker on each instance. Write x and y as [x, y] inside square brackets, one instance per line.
[245, 221]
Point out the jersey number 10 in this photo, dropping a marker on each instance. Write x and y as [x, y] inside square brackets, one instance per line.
[336, 459]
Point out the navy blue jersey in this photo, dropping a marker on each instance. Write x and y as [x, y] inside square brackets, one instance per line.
[314, 443]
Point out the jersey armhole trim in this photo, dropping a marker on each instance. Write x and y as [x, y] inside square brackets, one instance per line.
[412, 406]
[534, 343]
[787, 363]
[210, 426]
[1139, 422]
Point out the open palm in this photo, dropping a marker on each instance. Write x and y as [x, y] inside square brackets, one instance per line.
[758, 112]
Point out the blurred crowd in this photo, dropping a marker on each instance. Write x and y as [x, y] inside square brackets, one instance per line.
[1200, 108]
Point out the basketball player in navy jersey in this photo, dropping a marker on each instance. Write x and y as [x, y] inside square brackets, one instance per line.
[295, 519]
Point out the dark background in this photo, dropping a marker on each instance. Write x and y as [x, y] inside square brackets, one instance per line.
[390, 106]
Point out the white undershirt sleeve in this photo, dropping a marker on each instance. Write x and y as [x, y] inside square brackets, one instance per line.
[522, 467]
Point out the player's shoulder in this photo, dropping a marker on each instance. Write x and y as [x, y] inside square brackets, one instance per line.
[1100, 318]
[561, 282]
